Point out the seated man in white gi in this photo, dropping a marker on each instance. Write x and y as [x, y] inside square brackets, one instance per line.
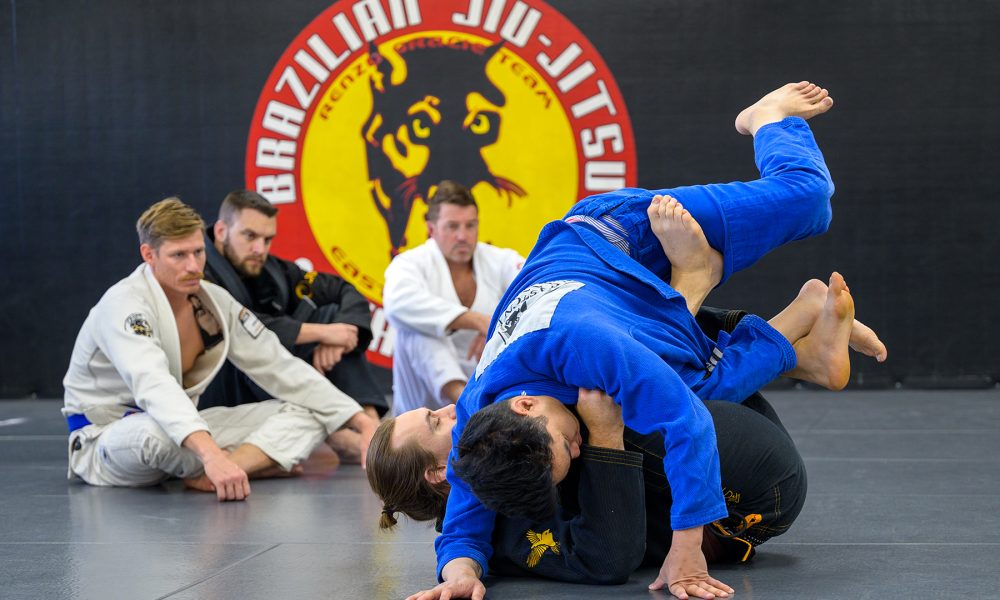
[439, 297]
[151, 346]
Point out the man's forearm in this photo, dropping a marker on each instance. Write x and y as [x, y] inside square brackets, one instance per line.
[310, 333]
[471, 320]
[606, 439]
[203, 445]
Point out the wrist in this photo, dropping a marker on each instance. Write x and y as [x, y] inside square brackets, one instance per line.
[687, 538]
[606, 439]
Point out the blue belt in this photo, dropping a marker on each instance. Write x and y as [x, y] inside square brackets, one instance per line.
[75, 422]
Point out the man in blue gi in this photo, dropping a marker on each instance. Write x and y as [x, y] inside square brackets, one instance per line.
[590, 309]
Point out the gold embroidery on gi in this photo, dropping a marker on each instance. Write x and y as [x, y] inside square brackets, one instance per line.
[540, 542]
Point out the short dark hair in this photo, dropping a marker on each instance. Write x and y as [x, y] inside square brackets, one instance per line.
[448, 192]
[237, 200]
[506, 460]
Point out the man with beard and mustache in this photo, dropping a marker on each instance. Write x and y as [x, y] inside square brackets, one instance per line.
[439, 296]
[319, 317]
[148, 350]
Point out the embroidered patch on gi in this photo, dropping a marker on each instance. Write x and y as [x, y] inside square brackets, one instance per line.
[530, 311]
[138, 324]
[540, 542]
[251, 323]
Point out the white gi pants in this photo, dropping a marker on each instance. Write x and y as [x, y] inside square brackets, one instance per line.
[422, 365]
[135, 451]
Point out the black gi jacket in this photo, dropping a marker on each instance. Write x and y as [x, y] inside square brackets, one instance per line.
[598, 535]
[284, 297]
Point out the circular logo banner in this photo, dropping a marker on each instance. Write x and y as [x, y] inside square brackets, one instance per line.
[375, 102]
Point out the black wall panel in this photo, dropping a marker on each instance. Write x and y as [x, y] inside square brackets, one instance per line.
[108, 106]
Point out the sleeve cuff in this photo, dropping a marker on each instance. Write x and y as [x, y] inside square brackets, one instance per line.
[610, 455]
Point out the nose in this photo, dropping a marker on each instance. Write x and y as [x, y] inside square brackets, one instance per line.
[446, 412]
[192, 264]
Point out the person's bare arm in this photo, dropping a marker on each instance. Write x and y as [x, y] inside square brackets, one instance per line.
[472, 320]
[230, 481]
[603, 419]
[331, 334]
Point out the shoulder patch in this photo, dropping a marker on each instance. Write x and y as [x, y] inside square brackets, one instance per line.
[251, 323]
[531, 310]
[138, 324]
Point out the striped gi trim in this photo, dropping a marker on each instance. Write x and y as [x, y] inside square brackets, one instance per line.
[608, 227]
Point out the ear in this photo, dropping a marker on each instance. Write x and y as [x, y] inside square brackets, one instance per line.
[523, 405]
[430, 229]
[435, 475]
[219, 229]
[146, 252]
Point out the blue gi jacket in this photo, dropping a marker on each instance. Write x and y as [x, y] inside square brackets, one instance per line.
[582, 314]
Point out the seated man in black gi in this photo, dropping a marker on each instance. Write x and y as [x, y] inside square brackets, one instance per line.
[319, 317]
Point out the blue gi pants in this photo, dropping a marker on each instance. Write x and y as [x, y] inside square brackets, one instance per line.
[742, 220]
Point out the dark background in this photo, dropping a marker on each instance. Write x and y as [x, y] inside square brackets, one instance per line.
[108, 106]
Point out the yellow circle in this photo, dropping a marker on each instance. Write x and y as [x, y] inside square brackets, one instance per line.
[535, 149]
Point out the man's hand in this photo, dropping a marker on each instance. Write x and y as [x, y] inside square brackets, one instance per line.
[685, 572]
[325, 357]
[230, 481]
[340, 334]
[602, 417]
[476, 348]
[461, 580]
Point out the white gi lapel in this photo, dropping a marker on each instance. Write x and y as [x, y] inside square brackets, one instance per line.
[442, 274]
[165, 322]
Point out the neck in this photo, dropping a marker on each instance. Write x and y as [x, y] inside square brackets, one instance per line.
[459, 267]
[178, 300]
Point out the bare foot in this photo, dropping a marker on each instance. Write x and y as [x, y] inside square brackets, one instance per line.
[200, 483]
[822, 354]
[347, 444]
[865, 341]
[276, 471]
[797, 319]
[802, 99]
[695, 267]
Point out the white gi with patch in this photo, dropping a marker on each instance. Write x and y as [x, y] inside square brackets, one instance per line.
[125, 377]
[420, 302]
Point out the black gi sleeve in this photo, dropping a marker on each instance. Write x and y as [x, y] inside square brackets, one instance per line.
[337, 301]
[353, 308]
[602, 544]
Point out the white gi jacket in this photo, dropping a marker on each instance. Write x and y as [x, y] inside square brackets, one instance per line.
[128, 357]
[419, 299]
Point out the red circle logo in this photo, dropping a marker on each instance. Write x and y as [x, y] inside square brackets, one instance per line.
[375, 102]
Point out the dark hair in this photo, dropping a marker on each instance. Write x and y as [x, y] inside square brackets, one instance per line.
[507, 462]
[396, 475]
[237, 200]
[448, 192]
